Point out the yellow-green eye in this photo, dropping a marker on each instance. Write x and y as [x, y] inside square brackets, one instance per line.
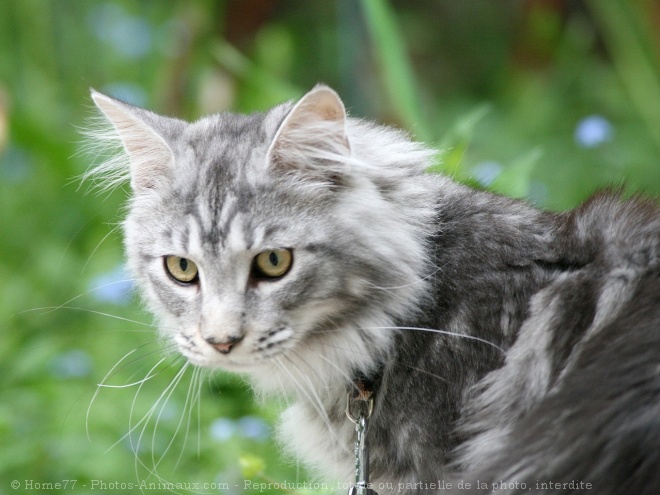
[273, 263]
[181, 269]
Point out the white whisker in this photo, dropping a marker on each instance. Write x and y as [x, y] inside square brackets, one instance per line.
[313, 396]
[426, 372]
[132, 408]
[73, 237]
[98, 389]
[348, 378]
[199, 412]
[87, 310]
[312, 400]
[399, 365]
[65, 305]
[89, 258]
[420, 280]
[128, 385]
[174, 385]
[186, 406]
[443, 332]
[167, 393]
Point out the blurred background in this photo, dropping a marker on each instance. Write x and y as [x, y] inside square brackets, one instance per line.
[546, 100]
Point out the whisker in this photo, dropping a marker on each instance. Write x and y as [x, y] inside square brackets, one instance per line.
[313, 396]
[405, 286]
[64, 305]
[87, 310]
[198, 400]
[285, 369]
[98, 389]
[178, 427]
[147, 417]
[140, 358]
[427, 373]
[186, 405]
[359, 353]
[80, 229]
[167, 393]
[193, 390]
[89, 258]
[129, 384]
[442, 332]
[431, 330]
[132, 409]
[348, 378]
[396, 364]
[314, 402]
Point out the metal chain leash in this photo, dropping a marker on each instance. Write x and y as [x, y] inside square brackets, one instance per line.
[365, 407]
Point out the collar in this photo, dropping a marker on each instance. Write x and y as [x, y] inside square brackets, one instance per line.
[364, 387]
[360, 396]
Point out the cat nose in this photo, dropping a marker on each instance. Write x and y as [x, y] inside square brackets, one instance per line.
[225, 346]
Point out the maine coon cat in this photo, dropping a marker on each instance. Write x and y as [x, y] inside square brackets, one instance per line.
[509, 349]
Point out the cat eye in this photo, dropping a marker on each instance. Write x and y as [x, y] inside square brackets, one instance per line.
[273, 263]
[181, 269]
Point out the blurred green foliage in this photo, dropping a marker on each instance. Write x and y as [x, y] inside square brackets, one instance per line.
[546, 100]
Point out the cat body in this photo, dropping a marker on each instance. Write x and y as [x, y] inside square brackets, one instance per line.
[311, 250]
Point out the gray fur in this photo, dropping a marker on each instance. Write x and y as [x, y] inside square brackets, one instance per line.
[510, 344]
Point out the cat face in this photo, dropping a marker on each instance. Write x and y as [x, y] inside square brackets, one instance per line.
[264, 237]
[242, 272]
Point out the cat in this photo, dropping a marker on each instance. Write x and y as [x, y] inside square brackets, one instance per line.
[508, 349]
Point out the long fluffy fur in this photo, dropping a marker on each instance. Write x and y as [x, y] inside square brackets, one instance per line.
[511, 344]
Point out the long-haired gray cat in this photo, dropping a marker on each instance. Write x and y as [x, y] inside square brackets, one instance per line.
[507, 349]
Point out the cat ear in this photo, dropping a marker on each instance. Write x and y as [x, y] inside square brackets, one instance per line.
[151, 159]
[312, 136]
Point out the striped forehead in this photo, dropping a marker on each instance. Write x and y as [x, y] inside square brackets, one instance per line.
[224, 196]
[227, 226]
[222, 202]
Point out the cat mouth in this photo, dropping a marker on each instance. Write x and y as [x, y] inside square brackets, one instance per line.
[238, 354]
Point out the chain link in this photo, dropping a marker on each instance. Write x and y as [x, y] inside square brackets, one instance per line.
[361, 421]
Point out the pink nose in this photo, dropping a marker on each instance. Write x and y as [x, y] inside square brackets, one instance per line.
[226, 346]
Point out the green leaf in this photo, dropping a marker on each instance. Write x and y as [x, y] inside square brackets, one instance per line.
[456, 141]
[269, 89]
[630, 40]
[397, 73]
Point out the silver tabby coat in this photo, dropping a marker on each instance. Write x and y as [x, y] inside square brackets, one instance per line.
[308, 249]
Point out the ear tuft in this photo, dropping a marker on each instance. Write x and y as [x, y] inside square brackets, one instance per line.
[150, 157]
[312, 138]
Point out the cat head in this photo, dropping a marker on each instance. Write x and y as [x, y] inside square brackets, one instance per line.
[293, 234]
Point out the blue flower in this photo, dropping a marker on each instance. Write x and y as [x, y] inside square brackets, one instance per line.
[222, 429]
[250, 427]
[128, 92]
[129, 35]
[114, 287]
[486, 172]
[71, 364]
[592, 131]
[253, 428]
